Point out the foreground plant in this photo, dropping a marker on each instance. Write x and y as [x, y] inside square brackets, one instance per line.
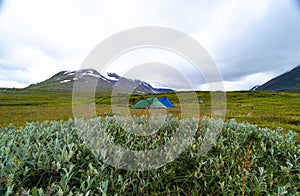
[50, 158]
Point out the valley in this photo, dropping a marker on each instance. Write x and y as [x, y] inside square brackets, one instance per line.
[266, 109]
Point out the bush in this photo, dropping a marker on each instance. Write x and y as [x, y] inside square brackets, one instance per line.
[51, 158]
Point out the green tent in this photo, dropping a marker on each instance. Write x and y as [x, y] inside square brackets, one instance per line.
[152, 102]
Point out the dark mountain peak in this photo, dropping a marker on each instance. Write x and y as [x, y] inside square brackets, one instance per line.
[113, 75]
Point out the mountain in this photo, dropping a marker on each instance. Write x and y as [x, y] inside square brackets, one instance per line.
[64, 81]
[287, 82]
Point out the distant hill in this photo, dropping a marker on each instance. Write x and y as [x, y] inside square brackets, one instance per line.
[287, 82]
[164, 90]
[64, 81]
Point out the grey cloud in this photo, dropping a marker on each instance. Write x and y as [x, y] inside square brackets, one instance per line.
[270, 45]
[13, 74]
[160, 74]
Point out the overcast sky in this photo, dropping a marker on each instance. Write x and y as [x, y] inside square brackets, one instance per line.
[250, 41]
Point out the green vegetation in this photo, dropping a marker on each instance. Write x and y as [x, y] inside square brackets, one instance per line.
[266, 109]
[18, 106]
[51, 159]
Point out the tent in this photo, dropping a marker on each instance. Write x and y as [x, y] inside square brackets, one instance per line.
[166, 102]
[152, 102]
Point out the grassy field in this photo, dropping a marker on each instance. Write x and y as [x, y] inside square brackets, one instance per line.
[266, 109]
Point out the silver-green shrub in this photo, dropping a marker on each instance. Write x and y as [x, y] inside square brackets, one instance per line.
[51, 158]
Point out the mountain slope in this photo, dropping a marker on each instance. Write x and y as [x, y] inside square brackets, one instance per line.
[64, 81]
[287, 82]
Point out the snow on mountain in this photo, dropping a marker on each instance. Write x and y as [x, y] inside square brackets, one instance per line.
[64, 81]
[255, 88]
[69, 73]
[90, 73]
[113, 76]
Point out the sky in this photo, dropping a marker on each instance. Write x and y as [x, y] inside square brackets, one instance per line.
[249, 41]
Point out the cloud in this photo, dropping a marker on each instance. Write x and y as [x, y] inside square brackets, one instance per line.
[244, 83]
[269, 44]
[245, 39]
[1, 4]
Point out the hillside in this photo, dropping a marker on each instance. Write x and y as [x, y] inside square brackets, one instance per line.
[287, 82]
[64, 81]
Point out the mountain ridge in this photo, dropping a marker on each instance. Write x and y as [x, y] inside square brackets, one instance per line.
[286, 82]
[64, 81]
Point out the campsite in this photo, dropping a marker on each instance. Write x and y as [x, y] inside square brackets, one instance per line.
[149, 98]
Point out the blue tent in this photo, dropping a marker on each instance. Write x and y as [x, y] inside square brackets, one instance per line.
[166, 102]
